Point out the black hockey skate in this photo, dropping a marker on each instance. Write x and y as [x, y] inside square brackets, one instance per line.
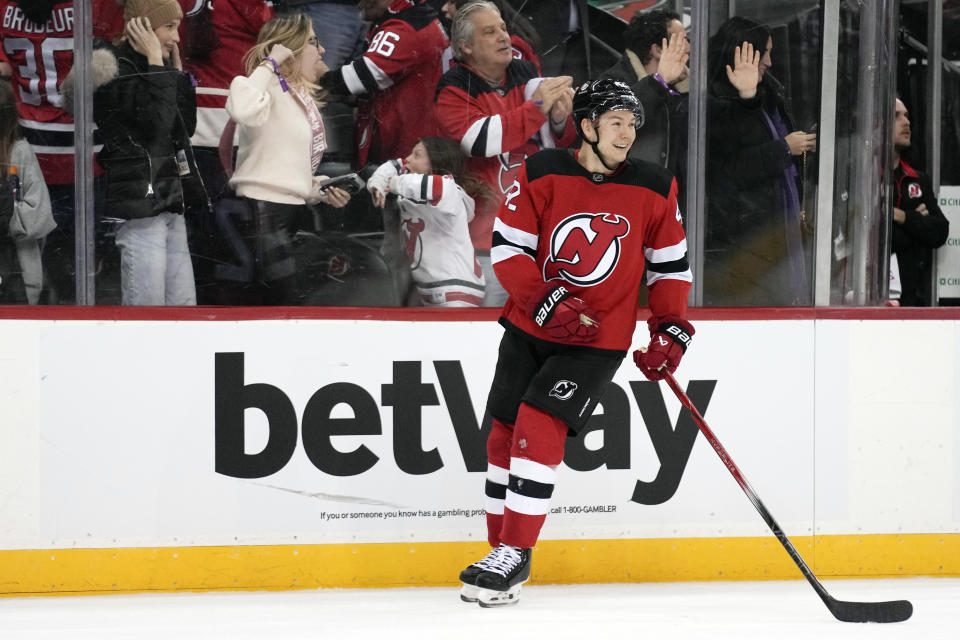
[468, 590]
[505, 570]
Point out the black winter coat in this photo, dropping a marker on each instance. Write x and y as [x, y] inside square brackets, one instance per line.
[745, 164]
[145, 115]
[747, 227]
[914, 240]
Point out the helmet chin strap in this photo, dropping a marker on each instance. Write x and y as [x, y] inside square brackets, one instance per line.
[596, 150]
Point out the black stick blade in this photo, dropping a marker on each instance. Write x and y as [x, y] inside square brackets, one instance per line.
[893, 611]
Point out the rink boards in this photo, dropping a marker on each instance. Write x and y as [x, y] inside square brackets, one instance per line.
[223, 452]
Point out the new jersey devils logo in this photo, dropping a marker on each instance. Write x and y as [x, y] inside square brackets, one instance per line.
[913, 191]
[510, 163]
[411, 233]
[563, 389]
[585, 248]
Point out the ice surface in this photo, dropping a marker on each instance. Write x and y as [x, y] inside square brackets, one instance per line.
[716, 610]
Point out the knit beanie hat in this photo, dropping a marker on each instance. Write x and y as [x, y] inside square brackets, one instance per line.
[159, 12]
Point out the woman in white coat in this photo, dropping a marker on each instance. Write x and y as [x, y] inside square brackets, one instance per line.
[281, 144]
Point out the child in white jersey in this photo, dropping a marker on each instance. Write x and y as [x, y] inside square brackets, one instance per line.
[435, 203]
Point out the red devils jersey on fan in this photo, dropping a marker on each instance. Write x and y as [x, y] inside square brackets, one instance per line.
[593, 234]
[41, 56]
[398, 73]
[497, 127]
[236, 24]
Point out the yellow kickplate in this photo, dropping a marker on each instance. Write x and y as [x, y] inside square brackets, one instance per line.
[84, 571]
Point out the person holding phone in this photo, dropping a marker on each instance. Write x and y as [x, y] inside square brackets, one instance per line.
[281, 144]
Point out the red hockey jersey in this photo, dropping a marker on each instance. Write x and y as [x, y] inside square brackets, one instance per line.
[593, 233]
[396, 77]
[236, 24]
[497, 127]
[41, 56]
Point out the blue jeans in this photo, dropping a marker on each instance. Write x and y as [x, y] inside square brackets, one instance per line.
[339, 29]
[155, 266]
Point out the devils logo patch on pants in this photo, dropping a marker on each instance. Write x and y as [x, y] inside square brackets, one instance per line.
[562, 380]
[563, 389]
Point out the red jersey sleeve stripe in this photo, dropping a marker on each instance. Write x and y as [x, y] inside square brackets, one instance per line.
[436, 189]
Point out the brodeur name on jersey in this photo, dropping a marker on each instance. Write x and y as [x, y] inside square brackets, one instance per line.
[594, 234]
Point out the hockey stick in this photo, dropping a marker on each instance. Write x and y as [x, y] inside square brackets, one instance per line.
[893, 611]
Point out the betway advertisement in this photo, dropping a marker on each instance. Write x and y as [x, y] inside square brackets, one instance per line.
[330, 431]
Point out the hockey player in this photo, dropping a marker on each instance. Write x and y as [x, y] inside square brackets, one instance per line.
[570, 243]
[395, 78]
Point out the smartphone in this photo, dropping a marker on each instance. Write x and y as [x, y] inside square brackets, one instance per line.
[349, 182]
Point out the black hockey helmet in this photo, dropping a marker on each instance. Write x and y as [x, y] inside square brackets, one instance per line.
[593, 99]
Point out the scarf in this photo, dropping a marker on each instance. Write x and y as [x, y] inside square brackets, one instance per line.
[318, 142]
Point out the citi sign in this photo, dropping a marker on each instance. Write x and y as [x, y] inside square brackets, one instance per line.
[407, 393]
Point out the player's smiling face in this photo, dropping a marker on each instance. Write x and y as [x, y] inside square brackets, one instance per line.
[617, 130]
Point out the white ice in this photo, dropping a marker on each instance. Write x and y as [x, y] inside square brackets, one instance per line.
[716, 610]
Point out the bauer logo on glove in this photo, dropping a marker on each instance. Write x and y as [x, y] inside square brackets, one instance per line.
[668, 343]
[564, 316]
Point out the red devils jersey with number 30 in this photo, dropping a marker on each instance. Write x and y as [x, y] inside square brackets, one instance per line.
[41, 56]
[593, 234]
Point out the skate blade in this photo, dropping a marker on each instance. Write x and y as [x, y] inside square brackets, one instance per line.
[469, 593]
[488, 598]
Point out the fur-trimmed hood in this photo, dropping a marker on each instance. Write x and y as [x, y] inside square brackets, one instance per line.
[104, 68]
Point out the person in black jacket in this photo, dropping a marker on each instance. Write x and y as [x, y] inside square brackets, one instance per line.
[919, 225]
[146, 114]
[755, 252]
[654, 65]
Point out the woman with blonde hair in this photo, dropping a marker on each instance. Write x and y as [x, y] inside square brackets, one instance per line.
[281, 144]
